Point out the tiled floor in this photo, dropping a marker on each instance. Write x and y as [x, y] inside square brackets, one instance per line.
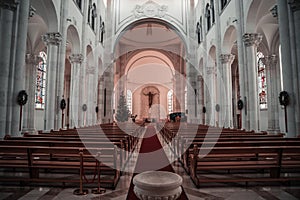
[120, 193]
[214, 192]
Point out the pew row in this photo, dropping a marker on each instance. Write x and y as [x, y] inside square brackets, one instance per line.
[45, 164]
[264, 164]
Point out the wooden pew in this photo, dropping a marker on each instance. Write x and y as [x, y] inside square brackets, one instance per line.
[271, 159]
[33, 159]
[185, 158]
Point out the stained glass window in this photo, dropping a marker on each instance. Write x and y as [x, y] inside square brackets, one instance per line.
[78, 2]
[129, 100]
[223, 4]
[262, 82]
[170, 101]
[41, 82]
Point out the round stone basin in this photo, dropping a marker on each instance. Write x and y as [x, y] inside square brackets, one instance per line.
[157, 185]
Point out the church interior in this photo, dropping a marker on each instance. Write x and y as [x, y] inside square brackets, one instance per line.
[149, 99]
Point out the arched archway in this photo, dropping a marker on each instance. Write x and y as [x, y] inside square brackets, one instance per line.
[71, 77]
[44, 20]
[231, 69]
[150, 52]
[47, 10]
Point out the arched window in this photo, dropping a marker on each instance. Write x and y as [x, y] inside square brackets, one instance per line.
[262, 82]
[78, 2]
[102, 30]
[199, 30]
[94, 16]
[212, 6]
[170, 101]
[223, 4]
[208, 16]
[41, 81]
[129, 100]
[185, 98]
[89, 11]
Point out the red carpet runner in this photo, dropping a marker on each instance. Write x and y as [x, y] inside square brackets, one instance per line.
[146, 162]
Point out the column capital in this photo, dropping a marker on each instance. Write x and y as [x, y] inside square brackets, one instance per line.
[274, 11]
[76, 58]
[90, 70]
[200, 78]
[32, 11]
[227, 58]
[52, 38]
[295, 5]
[211, 70]
[251, 39]
[32, 59]
[9, 4]
[270, 61]
[101, 79]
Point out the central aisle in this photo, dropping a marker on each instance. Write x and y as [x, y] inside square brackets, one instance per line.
[151, 157]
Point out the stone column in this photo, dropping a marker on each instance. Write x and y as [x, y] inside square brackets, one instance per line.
[287, 70]
[252, 40]
[211, 96]
[62, 59]
[6, 15]
[179, 90]
[32, 62]
[107, 100]
[295, 7]
[52, 40]
[272, 95]
[201, 99]
[76, 60]
[227, 60]
[242, 61]
[100, 99]
[191, 80]
[19, 65]
[90, 72]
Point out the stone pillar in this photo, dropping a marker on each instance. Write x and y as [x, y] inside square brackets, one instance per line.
[90, 73]
[19, 65]
[76, 60]
[62, 59]
[252, 40]
[210, 96]
[227, 60]
[52, 40]
[100, 99]
[179, 93]
[288, 71]
[272, 95]
[6, 15]
[192, 91]
[242, 61]
[191, 97]
[201, 99]
[32, 62]
[107, 97]
[295, 7]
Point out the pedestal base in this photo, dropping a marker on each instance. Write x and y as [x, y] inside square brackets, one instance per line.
[157, 185]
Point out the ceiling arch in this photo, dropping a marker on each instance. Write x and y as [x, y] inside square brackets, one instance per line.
[150, 33]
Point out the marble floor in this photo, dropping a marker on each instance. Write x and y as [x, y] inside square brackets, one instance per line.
[210, 192]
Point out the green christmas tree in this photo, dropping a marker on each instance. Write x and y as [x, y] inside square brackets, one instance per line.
[123, 111]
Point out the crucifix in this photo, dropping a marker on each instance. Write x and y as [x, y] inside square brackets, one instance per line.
[150, 98]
